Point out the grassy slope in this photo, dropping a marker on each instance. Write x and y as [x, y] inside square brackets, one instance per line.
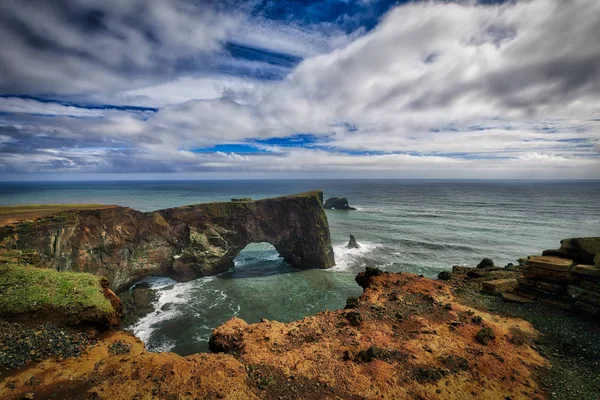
[32, 211]
[74, 295]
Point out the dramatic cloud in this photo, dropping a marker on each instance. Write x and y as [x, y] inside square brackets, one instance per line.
[435, 89]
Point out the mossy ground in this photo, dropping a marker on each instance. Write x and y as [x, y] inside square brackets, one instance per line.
[26, 290]
[30, 212]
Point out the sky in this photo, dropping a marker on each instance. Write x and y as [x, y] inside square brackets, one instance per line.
[219, 89]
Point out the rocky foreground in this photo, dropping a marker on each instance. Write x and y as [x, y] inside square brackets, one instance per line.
[406, 337]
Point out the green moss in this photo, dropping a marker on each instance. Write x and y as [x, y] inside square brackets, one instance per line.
[351, 302]
[485, 335]
[24, 289]
[354, 318]
[34, 211]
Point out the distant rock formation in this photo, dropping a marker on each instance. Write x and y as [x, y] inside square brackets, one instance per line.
[126, 245]
[337, 203]
[352, 243]
[444, 276]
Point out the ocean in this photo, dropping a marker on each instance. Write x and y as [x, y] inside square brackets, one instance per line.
[416, 226]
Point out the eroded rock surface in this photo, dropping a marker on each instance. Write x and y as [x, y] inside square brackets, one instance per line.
[580, 250]
[405, 338]
[183, 243]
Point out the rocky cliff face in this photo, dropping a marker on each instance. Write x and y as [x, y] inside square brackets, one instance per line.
[183, 243]
[580, 250]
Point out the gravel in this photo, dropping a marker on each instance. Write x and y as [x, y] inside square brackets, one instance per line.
[21, 345]
[570, 341]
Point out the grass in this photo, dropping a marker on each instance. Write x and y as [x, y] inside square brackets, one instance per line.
[33, 211]
[76, 295]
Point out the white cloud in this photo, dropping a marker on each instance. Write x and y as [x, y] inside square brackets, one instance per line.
[29, 106]
[448, 90]
[53, 47]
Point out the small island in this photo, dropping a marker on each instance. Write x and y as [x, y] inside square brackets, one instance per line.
[337, 203]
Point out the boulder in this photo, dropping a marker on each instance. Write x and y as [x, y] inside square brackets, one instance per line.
[542, 286]
[549, 262]
[499, 286]
[444, 276]
[486, 263]
[583, 295]
[548, 268]
[512, 267]
[352, 243]
[594, 286]
[586, 271]
[581, 250]
[459, 269]
[337, 203]
[546, 274]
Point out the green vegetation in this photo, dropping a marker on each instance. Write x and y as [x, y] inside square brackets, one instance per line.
[485, 335]
[33, 211]
[354, 318]
[77, 297]
[351, 302]
[374, 353]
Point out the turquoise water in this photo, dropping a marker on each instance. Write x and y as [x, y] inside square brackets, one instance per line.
[416, 226]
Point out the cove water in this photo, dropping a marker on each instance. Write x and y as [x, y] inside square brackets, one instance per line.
[422, 227]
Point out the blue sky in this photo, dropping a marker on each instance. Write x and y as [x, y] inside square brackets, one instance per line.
[270, 89]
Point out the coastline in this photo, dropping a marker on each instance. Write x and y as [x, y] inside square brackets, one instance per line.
[445, 336]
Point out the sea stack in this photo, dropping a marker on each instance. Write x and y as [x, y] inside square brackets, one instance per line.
[337, 203]
[352, 243]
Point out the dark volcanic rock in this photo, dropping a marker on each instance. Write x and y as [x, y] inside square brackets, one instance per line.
[337, 203]
[444, 275]
[486, 263]
[137, 303]
[183, 243]
[22, 344]
[580, 250]
[352, 243]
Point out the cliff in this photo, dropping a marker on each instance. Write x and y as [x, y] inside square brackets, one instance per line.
[406, 337]
[125, 245]
[581, 250]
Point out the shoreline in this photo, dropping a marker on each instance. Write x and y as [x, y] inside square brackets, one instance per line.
[393, 329]
[558, 331]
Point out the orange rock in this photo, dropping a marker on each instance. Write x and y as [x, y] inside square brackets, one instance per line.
[499, 286]
[550, 262]
[408, 343]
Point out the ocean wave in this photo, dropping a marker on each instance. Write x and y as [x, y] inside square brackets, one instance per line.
[415, 244]
[168, 291]
[345, 258]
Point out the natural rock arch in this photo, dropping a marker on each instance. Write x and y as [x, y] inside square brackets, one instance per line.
[184, 243]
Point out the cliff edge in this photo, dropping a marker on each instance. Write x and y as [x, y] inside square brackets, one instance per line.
[125, 245]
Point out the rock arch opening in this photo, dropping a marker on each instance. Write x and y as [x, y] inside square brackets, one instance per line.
[183, 243]
[259, 259]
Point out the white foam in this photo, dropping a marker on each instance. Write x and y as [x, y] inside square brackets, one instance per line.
[179, 294]
[345, 258]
